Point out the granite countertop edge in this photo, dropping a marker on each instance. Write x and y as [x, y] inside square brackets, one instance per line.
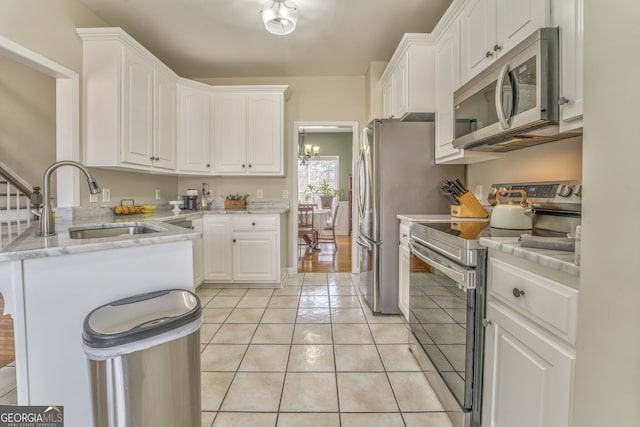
[30, 245]
[557, 260]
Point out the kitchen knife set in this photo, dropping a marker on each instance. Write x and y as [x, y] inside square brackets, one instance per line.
[463, 203]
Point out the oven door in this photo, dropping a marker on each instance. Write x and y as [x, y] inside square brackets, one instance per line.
[442, 313]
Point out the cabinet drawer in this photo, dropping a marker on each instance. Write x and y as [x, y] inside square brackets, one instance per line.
[549, 303]
[254, 222]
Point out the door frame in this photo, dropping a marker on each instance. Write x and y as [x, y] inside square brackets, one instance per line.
[355, 146]
[67, 116]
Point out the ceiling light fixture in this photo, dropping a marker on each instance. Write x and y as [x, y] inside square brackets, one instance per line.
[304, 151]
[280, 16]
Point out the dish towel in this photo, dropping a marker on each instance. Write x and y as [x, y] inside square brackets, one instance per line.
[557, 243]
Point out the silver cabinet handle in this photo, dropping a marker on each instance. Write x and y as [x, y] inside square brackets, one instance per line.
[517, 292]
[563, 101]
[486, 322]
[504, 121]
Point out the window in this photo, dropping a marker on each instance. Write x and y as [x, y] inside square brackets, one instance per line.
[316, 171]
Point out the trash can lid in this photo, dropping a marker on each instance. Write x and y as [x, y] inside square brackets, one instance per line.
[139, 317]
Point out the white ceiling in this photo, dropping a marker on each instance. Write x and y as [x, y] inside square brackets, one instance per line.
[226, 38]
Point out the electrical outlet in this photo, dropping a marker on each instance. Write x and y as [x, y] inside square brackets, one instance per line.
[93, 198]
[259, 194]
[478, 192]
[285, 194]
[106, 195]
[157, 194]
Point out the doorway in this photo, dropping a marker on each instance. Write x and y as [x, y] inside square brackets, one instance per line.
[324, 160]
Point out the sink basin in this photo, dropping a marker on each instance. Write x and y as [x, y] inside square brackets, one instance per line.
[110, 231]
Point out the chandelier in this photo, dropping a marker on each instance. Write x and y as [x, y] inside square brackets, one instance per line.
[280, 16]
[304, 151]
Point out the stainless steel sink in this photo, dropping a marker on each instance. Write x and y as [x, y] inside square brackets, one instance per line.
[110, 231]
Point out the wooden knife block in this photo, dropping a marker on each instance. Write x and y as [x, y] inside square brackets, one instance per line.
[469, 207]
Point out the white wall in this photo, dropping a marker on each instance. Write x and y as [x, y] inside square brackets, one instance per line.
[607, 387]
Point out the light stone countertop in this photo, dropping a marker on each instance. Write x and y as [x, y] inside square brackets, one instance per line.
[435, 218]
[563, 261]
[30, 245]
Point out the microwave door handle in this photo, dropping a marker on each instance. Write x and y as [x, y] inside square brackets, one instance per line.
[504, 121]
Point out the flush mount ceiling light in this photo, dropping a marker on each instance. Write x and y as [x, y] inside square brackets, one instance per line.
[280, 16]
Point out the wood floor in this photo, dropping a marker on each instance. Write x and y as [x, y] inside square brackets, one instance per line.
[7, 350]
[327, 258]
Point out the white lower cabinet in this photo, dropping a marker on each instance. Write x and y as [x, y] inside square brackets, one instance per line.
[198, 254]
[242, 248]
[528, 369]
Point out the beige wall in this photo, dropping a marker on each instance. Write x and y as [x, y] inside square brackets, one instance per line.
[607, 388]
[554, 161]
[27, 120]
[373, 100]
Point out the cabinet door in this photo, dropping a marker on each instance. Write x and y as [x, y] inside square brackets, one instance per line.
[478, 37]
[217, 248]
[387, 99]
[164, 147]
[198, 254]
[517, 19]
[527, 377]
[403, 280]
[399, 81]
[137, 97]
[194, 136]
[230, 133]
[255, 257]
[447, 80]
[570, 21]
[265, 146]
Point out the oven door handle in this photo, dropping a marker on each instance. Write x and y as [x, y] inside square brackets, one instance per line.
[464, 280]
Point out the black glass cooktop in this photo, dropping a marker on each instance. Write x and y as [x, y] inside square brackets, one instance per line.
[473, 230]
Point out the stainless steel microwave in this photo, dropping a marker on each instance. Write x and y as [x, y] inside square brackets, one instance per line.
[512, 104]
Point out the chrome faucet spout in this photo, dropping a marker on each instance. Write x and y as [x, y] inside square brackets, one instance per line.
[47, 221]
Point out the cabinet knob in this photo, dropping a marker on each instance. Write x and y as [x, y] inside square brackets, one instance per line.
[497, 48]
[488, 54]
[563, 101]
[152, 158]
[486, 323]
[208, 165]
[253, 223]
[244, 166]
[517, 292]
[249, 165]
[234, 240]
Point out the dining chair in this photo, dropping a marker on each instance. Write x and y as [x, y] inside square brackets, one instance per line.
[330, 226]
[305, 225]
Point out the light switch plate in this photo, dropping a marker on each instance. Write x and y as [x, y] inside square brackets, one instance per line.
[259, 194]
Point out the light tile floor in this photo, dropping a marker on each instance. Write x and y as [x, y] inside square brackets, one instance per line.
[310, 353]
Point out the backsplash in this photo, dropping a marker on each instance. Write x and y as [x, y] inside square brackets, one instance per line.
[555, 161]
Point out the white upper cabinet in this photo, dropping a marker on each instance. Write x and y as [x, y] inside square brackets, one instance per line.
[248, 131]
[407, 81]
[447, 78]
[568, 15]
[194, 128]
[491, 27]
[129, 103]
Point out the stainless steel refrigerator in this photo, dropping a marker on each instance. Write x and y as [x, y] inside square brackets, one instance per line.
[397, 174]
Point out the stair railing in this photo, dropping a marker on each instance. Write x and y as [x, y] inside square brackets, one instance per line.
[16, 201]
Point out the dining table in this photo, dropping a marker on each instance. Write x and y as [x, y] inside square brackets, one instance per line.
[320, 217]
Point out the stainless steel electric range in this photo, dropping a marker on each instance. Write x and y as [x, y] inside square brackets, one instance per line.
[448, 285]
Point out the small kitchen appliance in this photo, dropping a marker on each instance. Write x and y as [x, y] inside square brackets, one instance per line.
[448, 289]
[191, 200]
[511, 215]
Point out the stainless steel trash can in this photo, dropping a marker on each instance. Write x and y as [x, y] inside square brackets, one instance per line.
[144, 357]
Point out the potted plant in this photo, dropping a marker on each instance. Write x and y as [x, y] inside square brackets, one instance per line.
[327, 193]
[309, 193]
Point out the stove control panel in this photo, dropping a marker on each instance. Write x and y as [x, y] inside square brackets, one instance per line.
[553, 192]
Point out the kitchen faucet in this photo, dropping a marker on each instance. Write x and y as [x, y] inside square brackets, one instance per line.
[47, 222]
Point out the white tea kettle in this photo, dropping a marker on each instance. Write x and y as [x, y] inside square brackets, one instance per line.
[513, 216]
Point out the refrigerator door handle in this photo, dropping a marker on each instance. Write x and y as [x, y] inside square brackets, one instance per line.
[364, 243]
[362, 184]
